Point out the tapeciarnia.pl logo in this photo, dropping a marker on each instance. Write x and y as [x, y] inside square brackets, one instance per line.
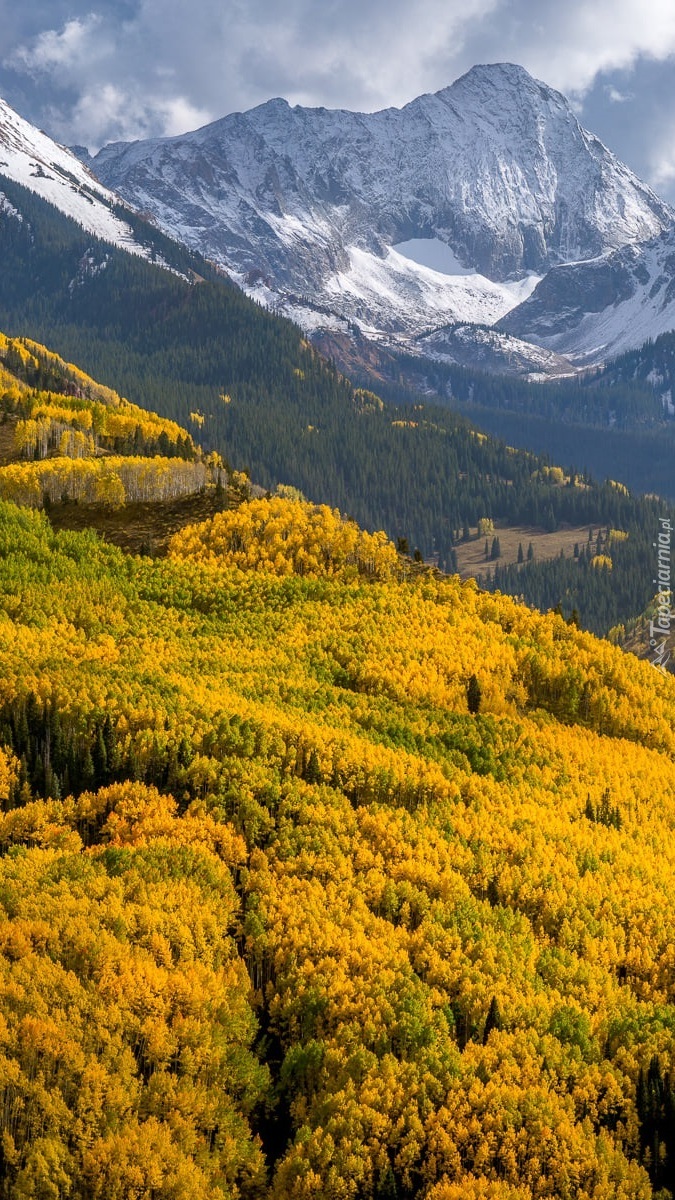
[659, 629]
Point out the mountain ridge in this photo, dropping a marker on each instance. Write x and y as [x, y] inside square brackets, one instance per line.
[616, 301]
[320, 214]
[256, 391]
[312, 204]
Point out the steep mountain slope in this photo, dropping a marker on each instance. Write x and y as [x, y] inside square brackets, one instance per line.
[591, 311]
[652, 363]
[312, 203]
[31, 158]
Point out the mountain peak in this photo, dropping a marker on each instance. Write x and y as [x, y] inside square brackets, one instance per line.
[501, 72]
[501, 89]
[277, 104]
[315, 202]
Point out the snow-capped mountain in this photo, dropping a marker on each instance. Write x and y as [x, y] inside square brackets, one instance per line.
[31, 158]
[332, 207]
[594, 310]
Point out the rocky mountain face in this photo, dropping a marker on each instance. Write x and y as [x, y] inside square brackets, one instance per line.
[322, 213]
[598, 309]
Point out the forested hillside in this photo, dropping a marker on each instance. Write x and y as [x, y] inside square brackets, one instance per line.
[617, 422]
[320, 879]
[66, 439]
[247, 385]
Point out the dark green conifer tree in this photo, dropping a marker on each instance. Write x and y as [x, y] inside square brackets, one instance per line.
[474, 695]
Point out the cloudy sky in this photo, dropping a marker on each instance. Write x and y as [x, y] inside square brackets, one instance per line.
[93, 71]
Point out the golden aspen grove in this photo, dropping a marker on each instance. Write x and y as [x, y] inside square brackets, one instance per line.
[321, 876]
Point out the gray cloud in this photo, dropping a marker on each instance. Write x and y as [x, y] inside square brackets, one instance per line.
[641, 127]
[205, 58]
[97, 70]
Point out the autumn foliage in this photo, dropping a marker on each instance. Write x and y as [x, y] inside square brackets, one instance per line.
[60, 410]
[281, 917]
[112, 481]
[75, 440]
[287, 538]
[318, 878]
